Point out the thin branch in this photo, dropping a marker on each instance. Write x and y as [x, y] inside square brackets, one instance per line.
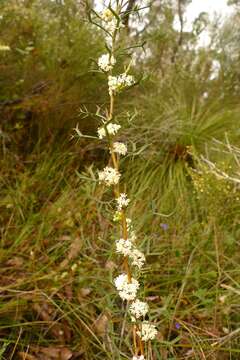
[217, 172]
[126, 15]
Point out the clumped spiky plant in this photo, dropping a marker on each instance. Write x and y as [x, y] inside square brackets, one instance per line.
[127, 283]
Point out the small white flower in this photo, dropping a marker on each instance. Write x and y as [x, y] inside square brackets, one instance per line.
[119, 148]
[141, 357]
[4, 48]
[127, 290]
[120, 281]
[138, 258]
[107, 15]
[147, 332]
[122, 202]
[118, 83]
[101, 132]
[129, 223]
[109, 176]
[110, 22]
[112, 129]
[124, 247]
[138, 308]
[111, 26]
[106, 62]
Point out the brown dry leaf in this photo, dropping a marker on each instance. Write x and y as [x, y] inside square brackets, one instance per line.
[153, 298]
[68, 291]
[57, 353]
[101, 324]
[65, 354]
[213, 331]
[15, 262]
[46, 242]
[26, 356]
[110, 265]
[51, 352]
[55, 328]
[74, 250]
[67, 331]
[42, 312]
[65, 238]
[190, 353]
[83, 292]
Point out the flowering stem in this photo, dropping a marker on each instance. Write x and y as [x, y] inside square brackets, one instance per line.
[111, 107]
[114, 158]
[135, 338]
[115, 162]
[124, 230]
[125, 283]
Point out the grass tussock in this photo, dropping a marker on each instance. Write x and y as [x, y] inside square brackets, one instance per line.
[57, 253]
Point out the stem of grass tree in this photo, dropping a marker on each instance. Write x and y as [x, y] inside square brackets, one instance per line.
[127, 285]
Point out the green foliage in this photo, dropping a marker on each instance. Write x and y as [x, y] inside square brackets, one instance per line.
[46, 74]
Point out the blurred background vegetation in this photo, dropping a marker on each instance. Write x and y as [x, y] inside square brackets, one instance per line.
[183, 174]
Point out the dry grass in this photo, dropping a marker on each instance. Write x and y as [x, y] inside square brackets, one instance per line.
[57, 260]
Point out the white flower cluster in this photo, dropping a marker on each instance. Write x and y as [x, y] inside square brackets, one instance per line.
[109, 176]
[110, 22]
[111, 26]
[138, 258]
[120, 82]
[119, 148]
[138, 309]
[124, 247]
[141, 357]
[127, 289]
[148, 331]
[127, 248]
[122, 202]
[112, 129]
[106, 62]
